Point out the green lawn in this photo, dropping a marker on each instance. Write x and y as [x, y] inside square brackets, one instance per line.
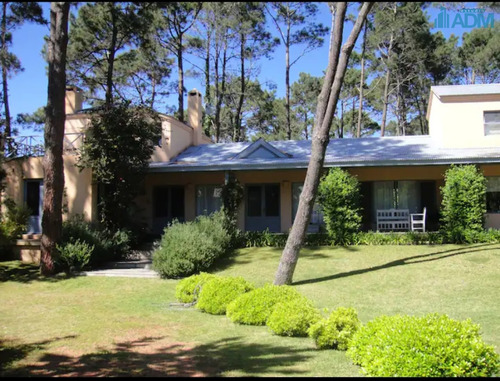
[96, 326]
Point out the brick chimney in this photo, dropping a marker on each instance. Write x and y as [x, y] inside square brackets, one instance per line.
[195, 113]
[73, 99]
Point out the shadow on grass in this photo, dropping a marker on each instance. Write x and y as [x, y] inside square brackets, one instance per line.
[11, 351]
[150, 357]
[405, 261]
[16, 271]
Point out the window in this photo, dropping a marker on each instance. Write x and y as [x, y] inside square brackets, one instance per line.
[492, 122]
[397, 195]
[208, 199]
[493, 194]
[263, 200]
[317, 215]
[168, 202]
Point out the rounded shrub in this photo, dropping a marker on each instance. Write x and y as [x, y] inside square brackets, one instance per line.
[74, 256]
[218, 292]
[190, 247]
[255, 307]
[188, 289]
[339, 197]
[293, 318]
[464, 203]
[430, 346]
[337, 330]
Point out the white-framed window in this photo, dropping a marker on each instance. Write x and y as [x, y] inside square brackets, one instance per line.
[492, 123]
[208, 199]
[493, 194]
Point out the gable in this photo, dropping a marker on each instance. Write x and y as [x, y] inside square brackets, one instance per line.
[261, 149]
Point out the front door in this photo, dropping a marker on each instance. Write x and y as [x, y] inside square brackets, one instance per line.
[168, 204]
[33, 198]
[263, 208]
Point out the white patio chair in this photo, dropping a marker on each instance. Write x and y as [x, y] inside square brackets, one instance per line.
[417, 221]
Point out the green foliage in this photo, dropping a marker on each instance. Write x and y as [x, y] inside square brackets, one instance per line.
[232, 195]
[218, 292]
[190, 247]
[337, 330]
[188, 289]
[268, 239]
[339, 197]
[118, 146]
[255, 307]
[74, 256]
[15, 220]
[464, 202]
[108, 245]
[430, 346]
[398, 238]
[293, 318]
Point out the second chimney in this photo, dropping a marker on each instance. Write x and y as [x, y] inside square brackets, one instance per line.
[73, 99]
[195, 113]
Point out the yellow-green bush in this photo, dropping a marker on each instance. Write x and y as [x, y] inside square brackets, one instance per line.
[255, 307]
[188, 289]
[337, 330]
[293, 318]
[218, 292]
[433, 345]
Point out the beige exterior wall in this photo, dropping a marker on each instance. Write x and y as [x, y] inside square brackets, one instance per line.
[80, 193]
[458, 122]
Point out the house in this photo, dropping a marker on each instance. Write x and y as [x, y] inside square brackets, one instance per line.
[187, 169]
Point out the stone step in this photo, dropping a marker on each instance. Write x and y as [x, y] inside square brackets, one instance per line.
[144, 264]
[128, 273]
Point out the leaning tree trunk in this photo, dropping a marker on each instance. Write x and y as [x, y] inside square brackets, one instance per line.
[362, 82]
[54, 134]
[327, 102]
[5, 90]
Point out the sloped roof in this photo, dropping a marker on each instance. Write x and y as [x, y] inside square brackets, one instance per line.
[351, 152]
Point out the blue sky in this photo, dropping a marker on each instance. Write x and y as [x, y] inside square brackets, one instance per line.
[28, 89]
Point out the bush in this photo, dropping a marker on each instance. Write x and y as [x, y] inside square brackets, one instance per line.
[74, 256]
[339, 197]
[337, 330]
[255, 307]
[190, 247]
[464, 203]
[107, 245]
[430, 346]
[188, 289]
[293, 318]
[15, 221]
[218, 292]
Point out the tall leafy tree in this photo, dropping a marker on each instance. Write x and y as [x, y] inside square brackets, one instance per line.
[293, 23]
[99, 35]
[304, 99]
[53, 178]
[172, 23]
[14, 14]
[327, 102]
[118, 146]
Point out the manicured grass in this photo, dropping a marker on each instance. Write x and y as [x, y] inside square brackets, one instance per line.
[96, 326]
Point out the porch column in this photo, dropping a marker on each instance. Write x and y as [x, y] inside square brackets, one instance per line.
[286, 206]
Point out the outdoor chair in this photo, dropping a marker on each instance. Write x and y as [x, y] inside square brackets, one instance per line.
[417, 221]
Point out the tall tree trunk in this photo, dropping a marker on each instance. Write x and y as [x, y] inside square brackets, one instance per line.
[8, 127]
[180, 85]
[111, 58]
[327, 102]
[341, 124]
[306, 125]
[287, 85]
[239, 117]
[54, 135]
[220, 96]
[362, 81]
[387, 78]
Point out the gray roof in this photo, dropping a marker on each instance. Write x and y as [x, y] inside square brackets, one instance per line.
[454, 90]
[352, 152]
